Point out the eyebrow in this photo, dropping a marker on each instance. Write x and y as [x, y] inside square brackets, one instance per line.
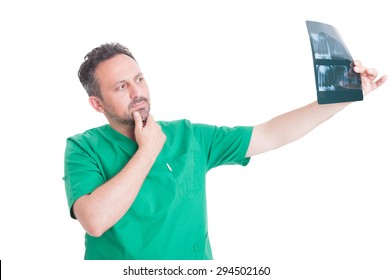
[115, 84]
[138, 75]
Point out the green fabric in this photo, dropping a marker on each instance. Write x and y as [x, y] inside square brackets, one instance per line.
[168, 219]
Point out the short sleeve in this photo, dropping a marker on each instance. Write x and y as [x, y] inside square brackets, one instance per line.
[224, 145]
[81, 172]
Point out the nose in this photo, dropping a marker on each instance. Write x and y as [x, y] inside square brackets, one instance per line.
[134, 92]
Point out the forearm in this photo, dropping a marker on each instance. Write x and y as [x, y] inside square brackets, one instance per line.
[107, 204]
[290, 126]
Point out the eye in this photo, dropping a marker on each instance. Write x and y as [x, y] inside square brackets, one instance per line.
[140, 79]
[122, 86]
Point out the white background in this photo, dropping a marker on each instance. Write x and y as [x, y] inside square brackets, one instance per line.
[319, 208]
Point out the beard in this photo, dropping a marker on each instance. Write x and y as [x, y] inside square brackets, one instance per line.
[128, 119]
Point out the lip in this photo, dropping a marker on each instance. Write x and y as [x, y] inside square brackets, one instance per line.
[138, 105]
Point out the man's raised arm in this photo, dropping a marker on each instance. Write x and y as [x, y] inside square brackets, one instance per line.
[292, 125]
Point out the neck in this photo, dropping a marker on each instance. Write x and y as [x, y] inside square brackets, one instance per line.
[126, 130]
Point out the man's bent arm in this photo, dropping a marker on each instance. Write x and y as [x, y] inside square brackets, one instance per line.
[106, 205]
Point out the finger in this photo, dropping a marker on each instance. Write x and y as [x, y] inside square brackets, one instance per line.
[381, 81]
[359, 69]
[138, 121]
[150, 120]
[371, 72]
[357, 63]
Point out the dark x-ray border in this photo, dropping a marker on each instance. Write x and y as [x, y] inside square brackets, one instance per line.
[335, 80]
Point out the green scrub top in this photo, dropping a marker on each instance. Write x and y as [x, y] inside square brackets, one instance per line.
[168, 219]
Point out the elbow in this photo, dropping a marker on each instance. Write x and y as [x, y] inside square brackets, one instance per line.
[94, 230]
[91, 221]
[94, 225]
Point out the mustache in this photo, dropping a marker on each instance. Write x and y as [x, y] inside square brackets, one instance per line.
[137, 101]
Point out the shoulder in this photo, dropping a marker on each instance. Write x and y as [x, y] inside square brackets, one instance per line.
[184, 124]
[91, 136]
[184, 127]
[174, 123]
[176, 126]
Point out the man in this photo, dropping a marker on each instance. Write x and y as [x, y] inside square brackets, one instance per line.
[137, 186]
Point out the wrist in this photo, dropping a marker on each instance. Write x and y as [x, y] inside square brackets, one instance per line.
[147, 154]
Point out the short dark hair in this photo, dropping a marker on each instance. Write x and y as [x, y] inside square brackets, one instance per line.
[86, 71]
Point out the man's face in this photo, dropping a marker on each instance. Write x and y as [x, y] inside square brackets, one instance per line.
[123, 88]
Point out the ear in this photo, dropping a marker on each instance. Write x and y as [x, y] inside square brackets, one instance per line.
[96, 103]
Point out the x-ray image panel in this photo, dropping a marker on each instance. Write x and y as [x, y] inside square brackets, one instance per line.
[325, 78]
[332, 62]
[326, 47]
[320, 45]
[341, 77]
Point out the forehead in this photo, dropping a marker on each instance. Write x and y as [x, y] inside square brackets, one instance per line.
[118, 68]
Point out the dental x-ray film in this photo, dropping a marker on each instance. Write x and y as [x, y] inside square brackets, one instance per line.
[335, 79]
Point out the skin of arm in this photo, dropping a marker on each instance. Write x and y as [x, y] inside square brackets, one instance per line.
[106, 205]
[291, 126]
